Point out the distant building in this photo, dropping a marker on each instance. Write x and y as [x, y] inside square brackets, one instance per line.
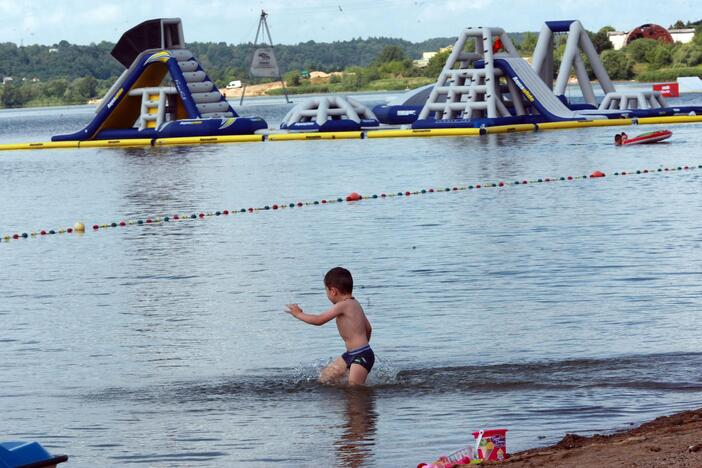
[620, 39]
[6, 79]
[682, 35]
[424, 61]
[426, 56]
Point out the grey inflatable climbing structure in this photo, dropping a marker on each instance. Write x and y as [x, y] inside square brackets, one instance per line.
[466, 89]
[329, 114]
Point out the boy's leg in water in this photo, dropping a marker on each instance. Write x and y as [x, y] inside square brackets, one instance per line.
[334, 372]
[357, 374]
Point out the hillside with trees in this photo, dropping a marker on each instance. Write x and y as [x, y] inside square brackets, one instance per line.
[67, 73]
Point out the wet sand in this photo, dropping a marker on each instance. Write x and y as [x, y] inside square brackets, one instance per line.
[666, 441]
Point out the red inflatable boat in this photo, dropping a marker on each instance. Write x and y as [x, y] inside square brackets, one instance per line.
[649, 137]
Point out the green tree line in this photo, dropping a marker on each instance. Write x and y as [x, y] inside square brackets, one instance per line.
[71, 73]
[71, 61]
[67, 73]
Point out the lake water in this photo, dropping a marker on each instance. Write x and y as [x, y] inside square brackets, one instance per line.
[545, 308]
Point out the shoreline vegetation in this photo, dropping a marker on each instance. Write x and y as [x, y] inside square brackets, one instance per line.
[65, 73]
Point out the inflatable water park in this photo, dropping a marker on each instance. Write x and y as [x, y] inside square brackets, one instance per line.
[164, 96]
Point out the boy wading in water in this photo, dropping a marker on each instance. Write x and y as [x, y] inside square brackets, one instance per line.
[354, 329]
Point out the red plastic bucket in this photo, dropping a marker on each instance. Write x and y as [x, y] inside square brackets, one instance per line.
[493, 444]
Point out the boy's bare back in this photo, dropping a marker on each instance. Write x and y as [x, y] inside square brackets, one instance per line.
[352, 323]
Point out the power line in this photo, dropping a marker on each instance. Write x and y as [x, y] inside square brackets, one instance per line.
[357, 5]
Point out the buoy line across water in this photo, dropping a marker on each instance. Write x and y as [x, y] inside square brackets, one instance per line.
[78, 227]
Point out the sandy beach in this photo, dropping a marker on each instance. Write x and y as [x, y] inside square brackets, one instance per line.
[251, 90]
[666, 441]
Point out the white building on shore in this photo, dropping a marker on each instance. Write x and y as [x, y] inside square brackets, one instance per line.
[424, 61]
[427, 56]
[683, 36]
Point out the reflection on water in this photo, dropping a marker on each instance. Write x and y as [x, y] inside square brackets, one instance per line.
[154, 180]
[355, 446]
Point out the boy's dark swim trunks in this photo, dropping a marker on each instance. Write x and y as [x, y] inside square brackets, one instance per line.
[363, 356]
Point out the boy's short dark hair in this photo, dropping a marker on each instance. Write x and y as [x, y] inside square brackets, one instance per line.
[339, 278]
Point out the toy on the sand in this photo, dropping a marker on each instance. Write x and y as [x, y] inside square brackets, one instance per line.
[488, 444]
[464, 456]
[491, 444]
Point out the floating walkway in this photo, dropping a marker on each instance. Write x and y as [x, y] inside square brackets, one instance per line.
[362, 134]
[163, 220]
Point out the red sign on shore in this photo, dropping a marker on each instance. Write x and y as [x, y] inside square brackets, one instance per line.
[667, 89]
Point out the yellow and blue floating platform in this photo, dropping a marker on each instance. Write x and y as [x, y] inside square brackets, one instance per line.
[363, 134]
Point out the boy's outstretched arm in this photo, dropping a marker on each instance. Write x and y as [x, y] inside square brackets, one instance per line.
[297, 312]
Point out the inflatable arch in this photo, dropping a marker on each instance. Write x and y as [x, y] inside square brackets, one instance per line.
[329, 114]
[578, 43]
[578, 40]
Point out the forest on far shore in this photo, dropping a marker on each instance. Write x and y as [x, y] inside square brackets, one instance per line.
[64, 73]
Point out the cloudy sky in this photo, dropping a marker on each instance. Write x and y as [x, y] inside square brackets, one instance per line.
[293, 21]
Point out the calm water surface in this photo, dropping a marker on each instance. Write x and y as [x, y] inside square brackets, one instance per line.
[571, 306]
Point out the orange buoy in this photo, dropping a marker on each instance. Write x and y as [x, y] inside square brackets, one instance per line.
[597, 174]
[353, 196]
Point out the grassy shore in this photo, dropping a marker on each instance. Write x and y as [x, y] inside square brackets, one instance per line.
[667, 74]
